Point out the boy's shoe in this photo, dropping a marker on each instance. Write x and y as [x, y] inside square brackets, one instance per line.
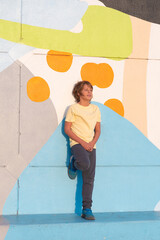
[87, 214]
[72, 171]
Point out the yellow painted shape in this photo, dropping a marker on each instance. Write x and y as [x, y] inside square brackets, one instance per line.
[106, 33]
[100, 75]
[116, 105]
[10, 30]
[38, 89]
[59, 61]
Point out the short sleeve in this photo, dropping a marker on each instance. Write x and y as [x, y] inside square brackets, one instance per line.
[70, 117]
[98, 115]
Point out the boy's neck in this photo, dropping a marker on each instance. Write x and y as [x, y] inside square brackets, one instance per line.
[84, 103]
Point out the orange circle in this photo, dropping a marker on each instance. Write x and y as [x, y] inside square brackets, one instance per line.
[38, 89]
[116, 105]
[59, 61]
[100, 74]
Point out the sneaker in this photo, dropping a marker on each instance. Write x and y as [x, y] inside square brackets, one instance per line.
[87, 214]
[72, 171]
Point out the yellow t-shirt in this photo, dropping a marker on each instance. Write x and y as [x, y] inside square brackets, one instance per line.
[84, 119]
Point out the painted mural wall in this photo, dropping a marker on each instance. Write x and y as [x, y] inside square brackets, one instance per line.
[47, 46]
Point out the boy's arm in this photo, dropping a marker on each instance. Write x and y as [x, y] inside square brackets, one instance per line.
[96, 135]
[68, 131]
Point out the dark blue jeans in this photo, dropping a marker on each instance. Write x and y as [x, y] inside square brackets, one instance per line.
[86, 162]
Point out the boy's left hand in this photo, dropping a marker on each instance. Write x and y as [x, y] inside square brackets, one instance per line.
[91, 146]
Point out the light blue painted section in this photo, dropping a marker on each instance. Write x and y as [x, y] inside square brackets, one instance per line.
[5, 45]
[126, 189]
[46, 190]
[10, 52]
[120, 143]
[10, 10]
[5, 61]
[109, 226]
[49, 190]
[133, 185]
[11, 205]
[19, 50]
[57, 14]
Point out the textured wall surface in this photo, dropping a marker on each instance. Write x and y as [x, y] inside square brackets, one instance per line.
[45, 48]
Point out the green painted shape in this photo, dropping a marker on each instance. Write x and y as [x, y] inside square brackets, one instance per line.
[106, 33]
[10, 31]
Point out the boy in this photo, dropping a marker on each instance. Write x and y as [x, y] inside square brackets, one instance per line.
[82, 125]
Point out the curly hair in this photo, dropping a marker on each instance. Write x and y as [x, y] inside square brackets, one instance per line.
[78, 88]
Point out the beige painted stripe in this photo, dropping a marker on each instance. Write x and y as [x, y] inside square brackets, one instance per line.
[135, 74]
[7, 183]
[3, 231]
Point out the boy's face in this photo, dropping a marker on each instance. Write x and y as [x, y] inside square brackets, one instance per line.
[86, 93]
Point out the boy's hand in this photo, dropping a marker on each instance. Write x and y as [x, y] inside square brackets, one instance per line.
[91, 145]
[88, 146]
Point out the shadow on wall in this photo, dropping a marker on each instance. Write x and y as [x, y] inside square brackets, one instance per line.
[78, 195]
[67, 143]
